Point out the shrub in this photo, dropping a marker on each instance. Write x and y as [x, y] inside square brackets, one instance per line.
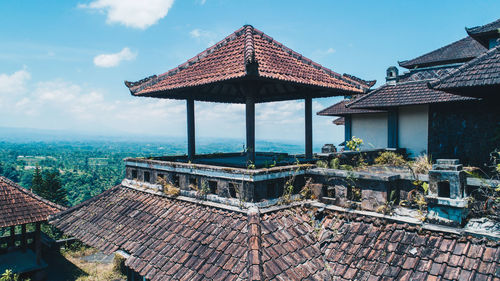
[354, 144]
[390, 158]
[322, 164]
[422, 164]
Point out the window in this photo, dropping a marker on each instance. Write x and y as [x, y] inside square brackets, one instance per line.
[175, 180]
[147, 176]
[271, 190]
[232, 190]
[193, 183]
[212, 185]
[134, 174]
[444, 189]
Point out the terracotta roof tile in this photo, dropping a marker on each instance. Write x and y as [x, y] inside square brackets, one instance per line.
[232, 57]
[285, 244]
[341, 109]
[21, 206]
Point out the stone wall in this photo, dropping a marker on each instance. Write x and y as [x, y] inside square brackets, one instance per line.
[467, 131]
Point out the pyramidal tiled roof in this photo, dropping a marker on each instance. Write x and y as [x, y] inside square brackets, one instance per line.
[175, 239]
[21, 206]
[459, 51]
[236, 57]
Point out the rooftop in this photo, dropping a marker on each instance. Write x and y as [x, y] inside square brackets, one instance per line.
[248, 55]
[187, 238]
[21, 206]
[341, 109]
[459, 51]
[477, 77]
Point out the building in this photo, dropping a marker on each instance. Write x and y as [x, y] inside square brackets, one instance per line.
[20, 211]
[422, 119]
[246, 67]
[225, 223]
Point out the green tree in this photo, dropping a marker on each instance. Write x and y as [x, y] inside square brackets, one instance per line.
[52, 189]
[37, 181]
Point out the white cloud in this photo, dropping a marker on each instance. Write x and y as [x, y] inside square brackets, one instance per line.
[112, 60]
[205, 36]
[330, 51]
[202, 2]
[131, 13]
[15, 82]
[59, 104]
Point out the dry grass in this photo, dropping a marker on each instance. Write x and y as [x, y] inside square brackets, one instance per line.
[93, 271]
[422, 164]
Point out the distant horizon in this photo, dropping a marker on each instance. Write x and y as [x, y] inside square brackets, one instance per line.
[63, 63]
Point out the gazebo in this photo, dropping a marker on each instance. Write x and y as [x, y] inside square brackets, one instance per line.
[246, 67]
[19, 207]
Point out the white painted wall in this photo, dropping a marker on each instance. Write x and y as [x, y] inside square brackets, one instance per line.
[371, 128]
[413, 129]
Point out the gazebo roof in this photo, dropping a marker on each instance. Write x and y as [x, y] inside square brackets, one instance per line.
[223, 72]
[21, 206]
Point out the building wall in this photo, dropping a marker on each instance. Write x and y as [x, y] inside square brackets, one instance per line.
[371, 128]
[413, 129]
[468, 131]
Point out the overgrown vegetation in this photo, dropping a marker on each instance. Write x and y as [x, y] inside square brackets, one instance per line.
[390, 158]
[485, 200]
[8, 275]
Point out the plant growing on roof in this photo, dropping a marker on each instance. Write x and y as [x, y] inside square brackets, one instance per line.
[390, 158]
[485, 200]
[168, 187]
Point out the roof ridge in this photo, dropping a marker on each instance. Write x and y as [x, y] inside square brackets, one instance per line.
[473, 29]
[474, 61]
[254, 245]
[31, 193]
[249, 49]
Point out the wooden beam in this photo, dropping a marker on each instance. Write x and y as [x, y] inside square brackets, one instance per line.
[308, 127]
[190, 128]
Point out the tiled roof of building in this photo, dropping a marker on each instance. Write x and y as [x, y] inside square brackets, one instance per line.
[492, 26]
[171, 238]
[404, 93]
[483, 71]
[247, 52]
[459, 51]
[21, 206]
[339, 121]
[340, 109]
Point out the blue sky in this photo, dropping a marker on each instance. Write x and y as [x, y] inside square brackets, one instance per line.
[63, 63]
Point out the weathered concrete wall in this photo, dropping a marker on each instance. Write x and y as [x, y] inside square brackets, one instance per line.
[371, 128]
[466, 131]
[413, 129]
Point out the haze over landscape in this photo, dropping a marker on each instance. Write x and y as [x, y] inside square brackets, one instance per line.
[63, 65]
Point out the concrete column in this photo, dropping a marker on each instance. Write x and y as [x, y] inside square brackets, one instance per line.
[250, 125]
[24, 239]
[392, 129]
[308, 127]
[347, 128]
[12, 242]
[38, 243]
[190, 128]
